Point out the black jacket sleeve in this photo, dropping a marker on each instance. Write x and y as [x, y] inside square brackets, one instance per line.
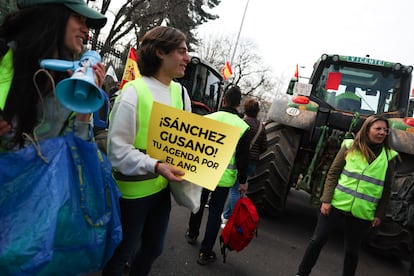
[242, 157]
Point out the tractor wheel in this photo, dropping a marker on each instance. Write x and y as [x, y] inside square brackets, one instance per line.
[392, 238]
[270, 185]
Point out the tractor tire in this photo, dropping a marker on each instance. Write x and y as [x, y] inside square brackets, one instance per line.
[269, 187]
[393, 238]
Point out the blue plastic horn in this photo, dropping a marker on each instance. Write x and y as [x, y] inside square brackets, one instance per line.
[79, 92]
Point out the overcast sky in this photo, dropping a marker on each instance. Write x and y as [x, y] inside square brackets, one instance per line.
[291, 32]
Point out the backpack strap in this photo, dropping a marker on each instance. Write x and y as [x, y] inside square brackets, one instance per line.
[182, 96]
[256, 136]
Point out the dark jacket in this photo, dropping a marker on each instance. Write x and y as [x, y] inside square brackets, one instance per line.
[260, 145]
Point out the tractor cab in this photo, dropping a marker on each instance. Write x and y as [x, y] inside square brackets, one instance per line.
[204, 86]
[363, 85]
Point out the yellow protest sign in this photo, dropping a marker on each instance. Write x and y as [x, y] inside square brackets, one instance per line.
[200, 146]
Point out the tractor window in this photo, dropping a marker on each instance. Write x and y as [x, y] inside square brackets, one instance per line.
[212, 92]
[359, 89]
[203, 86]
[208, 87]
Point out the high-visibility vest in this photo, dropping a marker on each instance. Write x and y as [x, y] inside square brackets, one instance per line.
[360, 184]
[6, 77]
[230, 173]
[138, 186]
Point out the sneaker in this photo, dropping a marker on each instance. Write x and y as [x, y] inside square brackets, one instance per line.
[205, 258]
[190, 238]
[223, 221]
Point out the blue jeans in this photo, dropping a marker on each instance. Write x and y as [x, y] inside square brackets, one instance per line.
[234, 193]
[215, 208]
[354, 231]
[144, 222]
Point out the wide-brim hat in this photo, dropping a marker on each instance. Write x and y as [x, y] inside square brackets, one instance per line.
[94, 19]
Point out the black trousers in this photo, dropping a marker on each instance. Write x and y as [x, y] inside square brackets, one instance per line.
[354, 231]
[215, 209]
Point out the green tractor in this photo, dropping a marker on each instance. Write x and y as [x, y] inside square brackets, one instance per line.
[306, 127]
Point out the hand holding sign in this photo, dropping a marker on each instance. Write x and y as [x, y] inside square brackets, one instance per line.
[200, 146]
[169, 172]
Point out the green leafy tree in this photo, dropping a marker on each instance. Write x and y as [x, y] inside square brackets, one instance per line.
[135, 17]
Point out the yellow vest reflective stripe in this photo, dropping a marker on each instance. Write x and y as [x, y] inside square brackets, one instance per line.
[360, 184]
[144, 185]
[230, 174]
[6, 77]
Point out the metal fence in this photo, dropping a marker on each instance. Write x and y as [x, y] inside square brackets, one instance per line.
[112, 57]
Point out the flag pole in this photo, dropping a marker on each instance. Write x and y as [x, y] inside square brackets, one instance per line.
[238, 35]
[234, 50]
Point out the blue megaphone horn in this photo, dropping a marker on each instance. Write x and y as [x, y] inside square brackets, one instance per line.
[79, 92]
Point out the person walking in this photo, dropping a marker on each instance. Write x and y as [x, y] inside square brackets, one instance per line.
[258, 145]
[142, 179]
[356, 193]
[236, 169]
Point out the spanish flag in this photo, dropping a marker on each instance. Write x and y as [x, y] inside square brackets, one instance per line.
[297, 72]
[131, 71]
[226, 71]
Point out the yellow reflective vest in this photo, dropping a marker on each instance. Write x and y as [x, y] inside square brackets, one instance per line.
[6, 77]
[139, 186]
[230, 174]
[360, 184]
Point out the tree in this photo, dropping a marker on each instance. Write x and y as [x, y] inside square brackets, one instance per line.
[249, 71]
[135, 17]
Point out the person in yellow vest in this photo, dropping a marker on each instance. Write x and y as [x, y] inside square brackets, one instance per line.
[32, 33]
[142, 179]
[356, 193]
[235, 171]
[258, 145]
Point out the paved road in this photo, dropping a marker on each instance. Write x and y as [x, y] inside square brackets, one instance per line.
[275, 252]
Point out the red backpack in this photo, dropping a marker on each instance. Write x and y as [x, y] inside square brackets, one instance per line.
[240, 228]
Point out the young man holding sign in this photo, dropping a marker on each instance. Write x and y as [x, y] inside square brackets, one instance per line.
[236, 170]
[141, 178]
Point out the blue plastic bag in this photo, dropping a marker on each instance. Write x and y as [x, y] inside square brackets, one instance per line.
[61, 217]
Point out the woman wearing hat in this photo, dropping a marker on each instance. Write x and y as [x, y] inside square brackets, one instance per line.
[30, 113]
[42, 29]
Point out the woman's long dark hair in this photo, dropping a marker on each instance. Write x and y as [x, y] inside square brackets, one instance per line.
[361, 142]
[38, 33]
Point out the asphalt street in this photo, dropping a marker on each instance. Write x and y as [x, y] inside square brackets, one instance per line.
[276, 251]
